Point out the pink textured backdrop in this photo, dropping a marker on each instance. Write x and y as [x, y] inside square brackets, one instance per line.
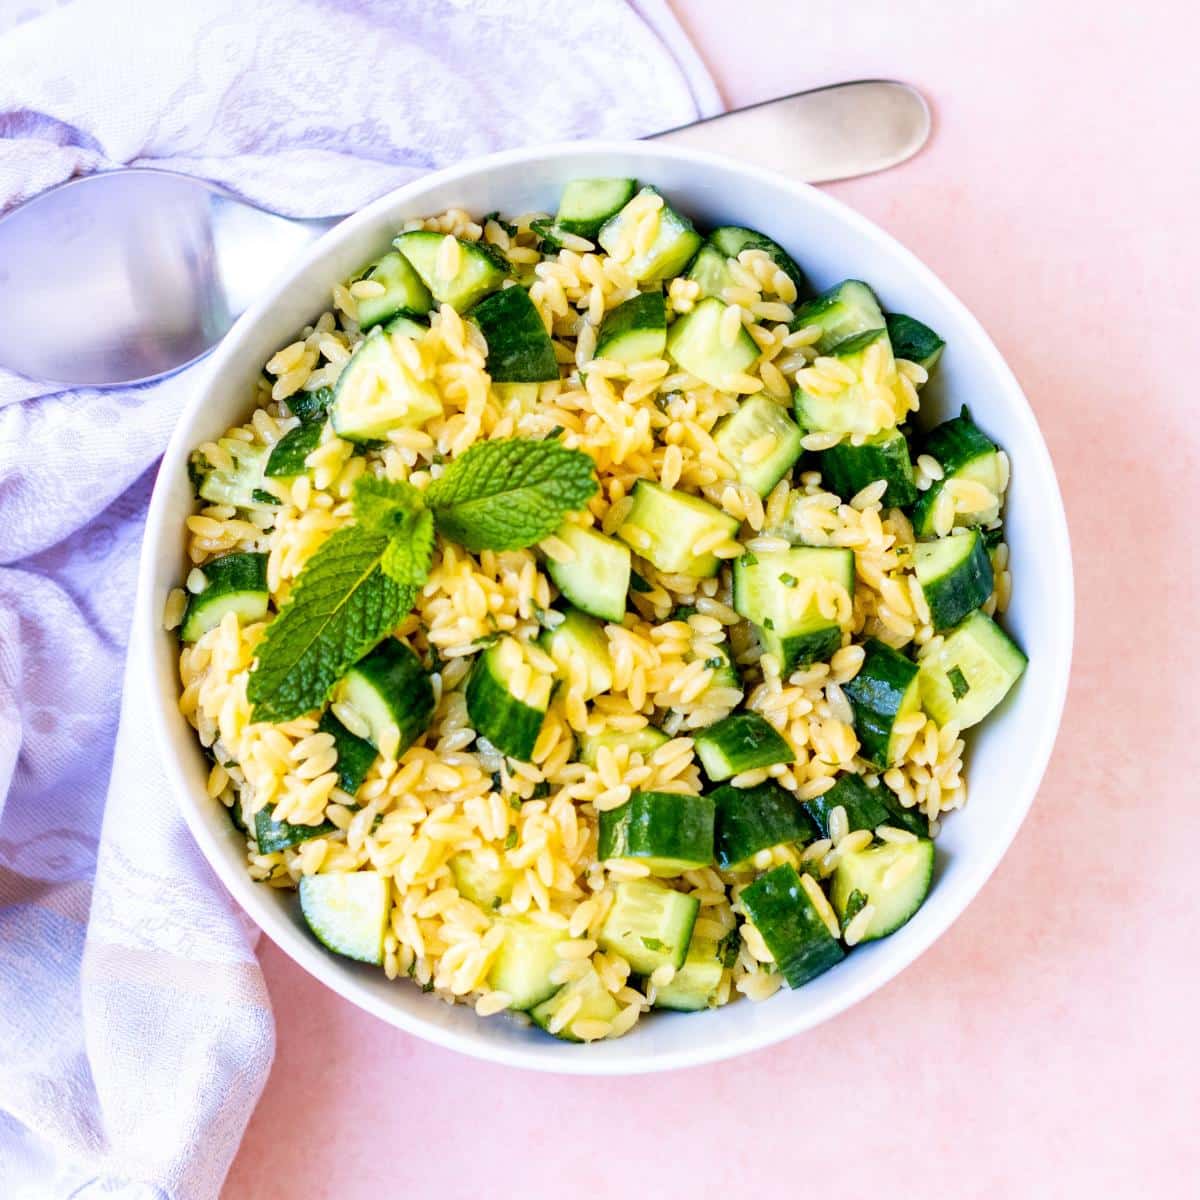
[1048, 1045]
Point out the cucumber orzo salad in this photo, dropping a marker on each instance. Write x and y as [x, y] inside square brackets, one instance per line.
[580, 625]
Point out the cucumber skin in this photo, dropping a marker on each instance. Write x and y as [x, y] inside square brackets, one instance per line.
[955, 596]
[395, 670]
[756, 818]
[273, 836]
[815, 311]
[876, 694]
[647, 311]
[914, 341]
[510, 725]
[519, 349]
[588, 227]
[740, 742]
[866, 808]
[791, 927]
[846, 469]
[355, 755]
[288, 454]
[804, 649]
[670, 825]
[731, 240]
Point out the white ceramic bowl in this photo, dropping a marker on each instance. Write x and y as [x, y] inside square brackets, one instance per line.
[1007, 755]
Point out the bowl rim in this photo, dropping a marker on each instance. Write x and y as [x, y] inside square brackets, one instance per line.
[251, 896]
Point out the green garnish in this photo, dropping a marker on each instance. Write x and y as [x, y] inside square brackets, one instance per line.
[768, 623]
[958, 683]
[716, 662]
[541, 790]
[261, 496]
[652, 943]
[511, 840]
[855, 903]
[749, 558]
[788, 580]
[638, 583]
[311, 406]
[288, 455]
[728, 947]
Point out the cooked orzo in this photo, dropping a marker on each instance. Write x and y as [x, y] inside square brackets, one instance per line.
[580, 625]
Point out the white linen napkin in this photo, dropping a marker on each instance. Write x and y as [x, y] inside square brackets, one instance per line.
[135, 1029]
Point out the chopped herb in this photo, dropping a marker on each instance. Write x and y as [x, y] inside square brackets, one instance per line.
[412, 969]
[497, 782]
[541, 790]
[378, 820]
[638, 583]
[993, 537]
[515, 802]
[854, 905]
[958, 683]
[728, 947]
[261, 496]
[435, 660]
[427, 987]
[788, 580]
[652, 943]
[555, 432]
[681, 612]
[507, 226]
[716, 662]
[546, 233]
[484, 642]
[511, 840]
[198, 467]
[768, 623]
[496, 901]
[749, 559]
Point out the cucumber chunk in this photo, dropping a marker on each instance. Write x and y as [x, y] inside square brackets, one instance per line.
[634, 331]
[955, 574]
[846, 309]
[695, 985]
[273, 836]
[756, 818]
[846, 468]
[865, 807]
[855, 407]
[663, 525]
[913, 341]
[377, 391]
[642, 741]
[236, 583]
[884, 690]
[710, 270]
[596, 580]
[740, 742]
[480, 878]
[971, 672]
[597, 1004]
[239, 485]
[787, 911]
[407, 326]
[760, 442]
[310, 406]
[731, 240]
[355, 755]
[964, 452]
[288, 454]
[480, 268]
[649, 925]
[524, 962]
[894, 877]
[519, 348]
[348, 912]
[769, 589]
[669, 832]
[695, 343]
[510, 722]
[580, 649]
[391, 692]
[674, 244]
[587, 203]
[405, 292]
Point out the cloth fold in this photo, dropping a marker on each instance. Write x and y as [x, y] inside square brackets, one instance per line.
[135, 1028]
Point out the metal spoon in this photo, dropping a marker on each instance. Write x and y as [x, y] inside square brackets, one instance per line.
[130, 274]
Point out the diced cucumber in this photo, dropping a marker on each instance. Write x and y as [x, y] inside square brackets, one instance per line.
[405, 292]
[634, 331]
[674, 246]
[740, 742]
[524, 962]
[310, 406]
[725, 672]
[391, 692]
[760, 442]
[288, 454]
[406, 326]
[865, 807]
[519, 349]
[695, 985]
[512, 725]
[348, 912]
[756, 818]
[971, 672]
[488, 884]
[669, 832]
[587, 203]
[884, 690]
[710, 269]
[673, 522]
[846, 468]
[578, 646]
[846, 309]
[521, 397]
[695, 343]
[854, 408]
[239, 485]
[767, 590]
[480, 268]
[955, 574]
[597, 1004]
[377, 391]
[273, 836]
[236, 583]
[642, 741]
[913, 341]
[895, 877]
[731, 240]
[596, 580]
[649, 925]
[964, 452]
[355, 755]
[788, 915]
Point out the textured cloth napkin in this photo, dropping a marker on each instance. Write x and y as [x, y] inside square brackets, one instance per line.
[135, 1029]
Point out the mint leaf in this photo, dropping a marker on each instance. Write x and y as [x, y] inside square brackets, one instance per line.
[958, 683]
[409, 555]
[856, 902]
[397, 511]
[510, 493]
[341, 607]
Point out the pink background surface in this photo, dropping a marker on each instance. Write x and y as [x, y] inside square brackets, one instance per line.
[1048, 1045]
